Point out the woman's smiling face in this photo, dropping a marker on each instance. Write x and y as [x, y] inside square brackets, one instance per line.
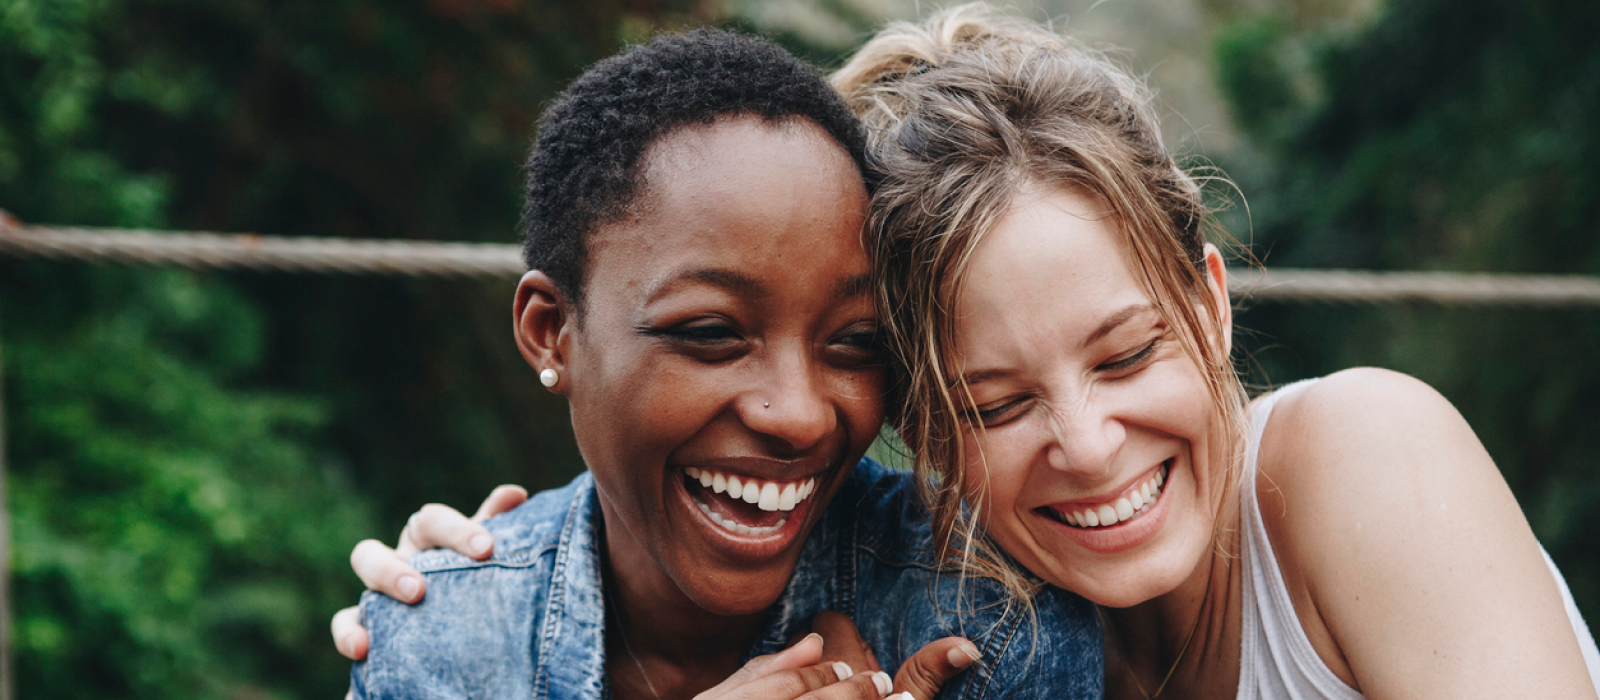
[728, 337]
[1091, 411]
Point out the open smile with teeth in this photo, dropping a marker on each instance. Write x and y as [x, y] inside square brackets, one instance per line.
[744, 504]
[1132, 503]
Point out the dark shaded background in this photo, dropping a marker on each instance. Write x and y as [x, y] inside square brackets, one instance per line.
[192, 455]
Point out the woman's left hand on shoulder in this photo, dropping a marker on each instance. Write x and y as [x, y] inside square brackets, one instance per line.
[1394, 526]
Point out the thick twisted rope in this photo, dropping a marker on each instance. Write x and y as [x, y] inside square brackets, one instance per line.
[494, 260]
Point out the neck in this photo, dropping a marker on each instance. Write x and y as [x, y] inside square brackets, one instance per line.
[658, 640]
[1191, 633]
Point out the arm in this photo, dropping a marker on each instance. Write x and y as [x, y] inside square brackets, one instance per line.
[1411, 566]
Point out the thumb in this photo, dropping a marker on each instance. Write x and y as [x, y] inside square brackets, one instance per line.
[926, 671]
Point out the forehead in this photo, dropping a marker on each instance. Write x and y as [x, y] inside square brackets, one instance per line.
[1048, 272]
[743, 193]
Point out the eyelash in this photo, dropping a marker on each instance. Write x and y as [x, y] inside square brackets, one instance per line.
[1131, 361]
[702, 337]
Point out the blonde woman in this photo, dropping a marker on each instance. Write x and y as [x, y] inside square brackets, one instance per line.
[1063, 332]
[1065, 329]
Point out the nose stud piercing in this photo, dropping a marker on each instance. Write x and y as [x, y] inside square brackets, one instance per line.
[548, 377]
[766, 404]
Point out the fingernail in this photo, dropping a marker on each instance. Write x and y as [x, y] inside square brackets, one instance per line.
[408, 587]
[809, 636]
[964, 655]
[479, 544]
[842, 670]
[883, 681]
[901, 696]
[347, 645]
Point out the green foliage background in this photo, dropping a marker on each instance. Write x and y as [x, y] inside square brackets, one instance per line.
[190, 455]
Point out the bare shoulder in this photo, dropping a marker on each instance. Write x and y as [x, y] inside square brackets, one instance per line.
[1361, 429]
[1409, 561]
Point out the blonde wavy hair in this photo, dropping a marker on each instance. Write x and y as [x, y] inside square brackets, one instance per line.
[964, 111]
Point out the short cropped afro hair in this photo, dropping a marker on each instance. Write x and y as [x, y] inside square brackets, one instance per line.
[584, 171]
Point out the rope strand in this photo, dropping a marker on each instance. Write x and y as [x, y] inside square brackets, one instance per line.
[200, 250]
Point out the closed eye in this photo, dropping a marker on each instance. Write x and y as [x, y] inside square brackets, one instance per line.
[708, 340]
[1131, 360]
[998, 414]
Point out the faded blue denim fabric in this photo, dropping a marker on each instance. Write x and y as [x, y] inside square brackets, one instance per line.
[530, 621]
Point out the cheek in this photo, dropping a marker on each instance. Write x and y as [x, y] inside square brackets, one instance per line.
[997, 471]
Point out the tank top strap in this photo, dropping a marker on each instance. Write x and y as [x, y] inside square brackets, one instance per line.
[1276, 658]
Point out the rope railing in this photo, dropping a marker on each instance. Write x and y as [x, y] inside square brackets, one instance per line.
[198, 250]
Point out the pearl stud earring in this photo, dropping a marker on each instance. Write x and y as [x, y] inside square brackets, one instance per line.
[548, 377]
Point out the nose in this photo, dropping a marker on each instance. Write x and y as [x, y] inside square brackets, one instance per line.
[792, 406]
[1087, 438]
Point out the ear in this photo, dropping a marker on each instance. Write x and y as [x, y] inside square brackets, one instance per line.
[1217, 280]
[543, 322]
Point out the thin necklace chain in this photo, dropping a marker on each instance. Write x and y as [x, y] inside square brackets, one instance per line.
[1134, 676]
[616, 615]
[1175, 662]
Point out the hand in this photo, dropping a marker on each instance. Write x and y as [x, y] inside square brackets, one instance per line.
[919, 678]
[800, 672]
[385, 570]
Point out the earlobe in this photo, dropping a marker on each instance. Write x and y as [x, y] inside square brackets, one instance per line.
[541, 321]
[1221, 304]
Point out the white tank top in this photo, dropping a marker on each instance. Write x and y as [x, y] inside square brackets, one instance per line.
[1276, 659]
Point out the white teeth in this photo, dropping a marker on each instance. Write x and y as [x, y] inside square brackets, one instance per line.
[1107, 515]
[1136, 502]
[1124, 509]
[766, 495]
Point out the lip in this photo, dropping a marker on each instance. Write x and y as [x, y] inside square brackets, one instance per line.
[764, 468]
[1124, 535]
[753, 548]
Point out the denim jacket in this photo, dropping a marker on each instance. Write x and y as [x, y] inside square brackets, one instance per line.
[529, 622]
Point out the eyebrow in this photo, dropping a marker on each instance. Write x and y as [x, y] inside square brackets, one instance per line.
[852, 287]
[731, 280]
[1110, 324]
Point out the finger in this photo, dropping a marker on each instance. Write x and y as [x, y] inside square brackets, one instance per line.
[501, 499]
[804, 682]
[926, 671]
[382, 570]
[349, 637]
[806, 652]
[865, 685]
[841, 641]
[438, 525]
